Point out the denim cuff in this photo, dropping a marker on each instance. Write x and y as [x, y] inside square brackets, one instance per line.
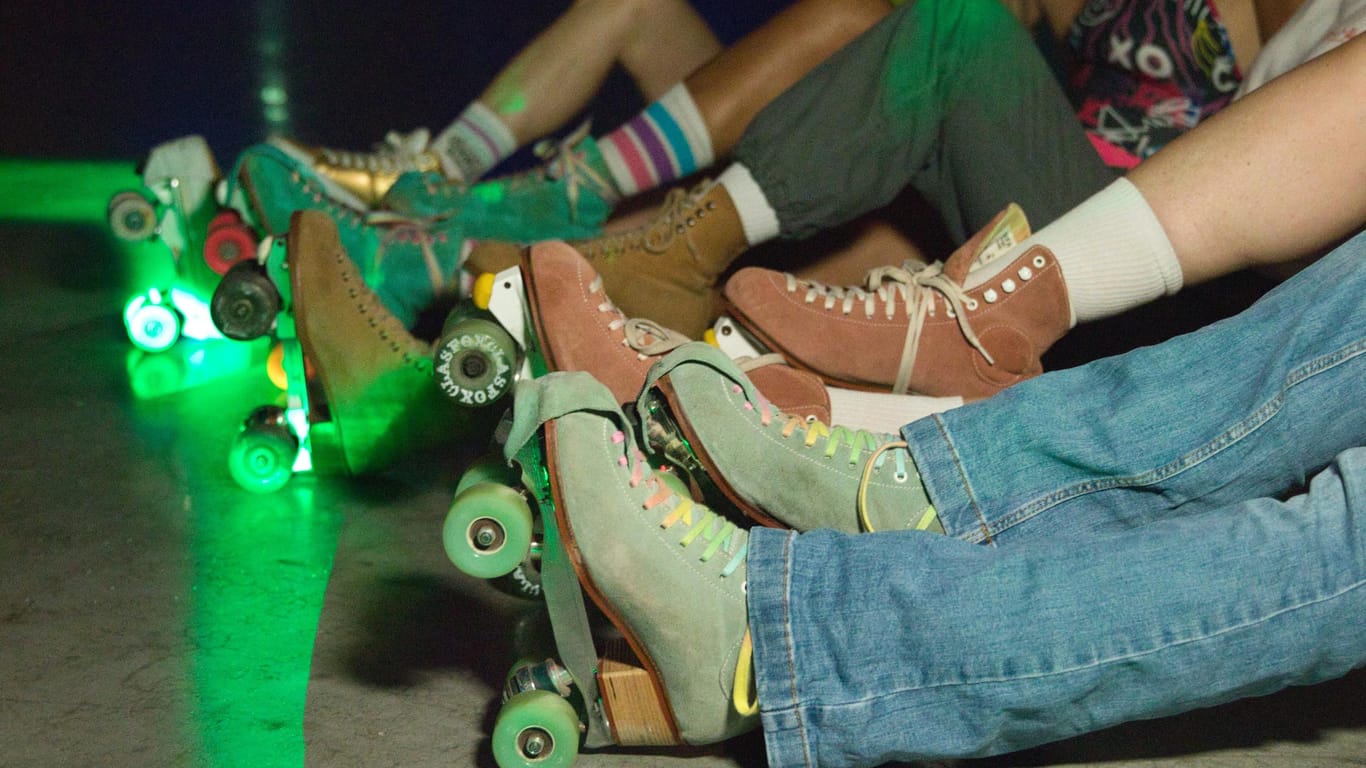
[944, 476]
[769, 575]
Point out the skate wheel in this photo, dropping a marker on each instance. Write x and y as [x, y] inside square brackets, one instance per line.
[489, 468]
[536, 729]
[475, 361]
[227, 244]
[245, 303]
[153, 327]
[262, 455]
[487, 533]
[131, 216]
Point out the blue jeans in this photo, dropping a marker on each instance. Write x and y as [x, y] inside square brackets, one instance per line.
[1168, 529]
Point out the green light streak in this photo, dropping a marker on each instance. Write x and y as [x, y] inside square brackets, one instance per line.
[271, 42]
[61, 191]
[260, 572]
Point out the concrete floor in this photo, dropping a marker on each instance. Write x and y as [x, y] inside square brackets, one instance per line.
[154, 614]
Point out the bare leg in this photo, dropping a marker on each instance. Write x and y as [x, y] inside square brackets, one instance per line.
[731, 89]
[1277, 176]
[657, 41]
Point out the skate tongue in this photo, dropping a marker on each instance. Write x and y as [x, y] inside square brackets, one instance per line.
[1008, 229]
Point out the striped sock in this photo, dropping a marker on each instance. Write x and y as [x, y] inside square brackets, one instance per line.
[667, 141]
[474, 143]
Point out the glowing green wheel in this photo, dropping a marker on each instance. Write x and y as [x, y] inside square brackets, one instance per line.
[487, 533]
[489, 468]
[536, 729]
[151, 326]
[475, 361]
[262, 456]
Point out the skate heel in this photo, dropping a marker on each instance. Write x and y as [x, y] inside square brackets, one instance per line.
[634, 704]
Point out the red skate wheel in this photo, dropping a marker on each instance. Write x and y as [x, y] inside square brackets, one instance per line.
[224, 218]
[228, 244]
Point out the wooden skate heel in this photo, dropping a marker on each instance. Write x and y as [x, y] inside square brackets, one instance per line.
[635, 707]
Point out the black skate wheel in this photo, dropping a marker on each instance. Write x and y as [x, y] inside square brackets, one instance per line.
[246, 302]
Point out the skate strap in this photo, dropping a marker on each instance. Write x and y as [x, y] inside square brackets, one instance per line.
[554, 395]
[701, 353]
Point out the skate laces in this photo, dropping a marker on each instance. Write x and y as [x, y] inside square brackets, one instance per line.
[399, 233]
[858, 442]
[714, 533]
[927, 517]
[399, 152]
[717, 535]
[561, 160]
[659, 234]
[915, 285]
[648, 338]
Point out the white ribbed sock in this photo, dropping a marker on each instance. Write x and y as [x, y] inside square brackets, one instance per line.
[757, 217]
[1112, 250]
[883, 411]
[473, 144]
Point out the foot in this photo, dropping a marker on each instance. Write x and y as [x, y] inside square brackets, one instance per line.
[580, 329]
[668, 573]
[376, 376]
[781, 470]
[407, 263]
[569, 196]
[365, 177]
[915, 329]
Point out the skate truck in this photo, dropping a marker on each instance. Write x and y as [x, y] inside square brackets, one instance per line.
[180, 206]
[275, 441]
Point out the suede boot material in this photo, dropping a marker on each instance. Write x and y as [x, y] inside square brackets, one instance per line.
[580, 329]
[780, 469]
[857, 337]
[569, 196]
[667, 572]
[407, 263]
[376, 376]
[668, 269]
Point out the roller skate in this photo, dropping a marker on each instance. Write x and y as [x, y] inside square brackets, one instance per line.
[608, 535]
[177, 207]
[550, 313]
[924, 329]
[358, 386]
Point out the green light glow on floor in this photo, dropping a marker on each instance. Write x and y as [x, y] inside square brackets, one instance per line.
[61, 191]
[261, 567]
[260, 564]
